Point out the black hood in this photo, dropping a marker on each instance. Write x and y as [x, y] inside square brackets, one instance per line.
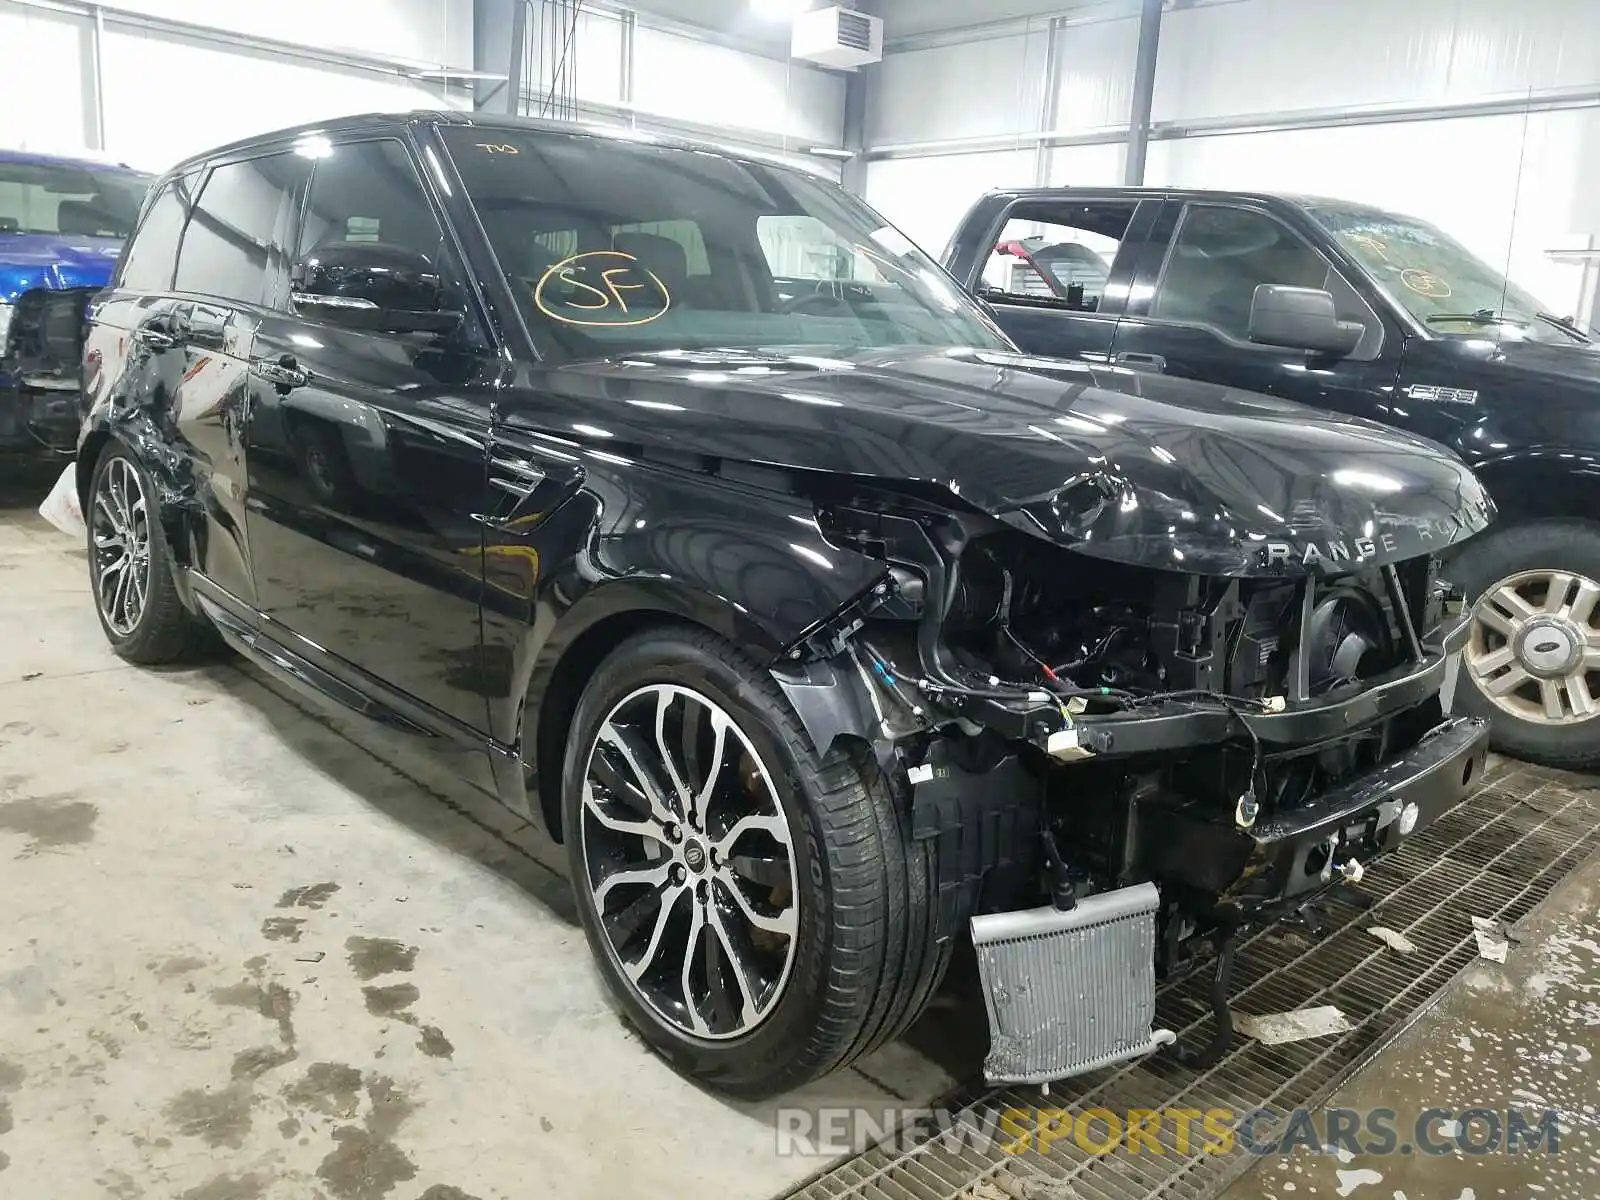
[1137, 468]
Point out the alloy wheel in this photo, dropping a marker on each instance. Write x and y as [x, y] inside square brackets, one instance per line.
[120, 531]
[1534, 649]
[689, 863]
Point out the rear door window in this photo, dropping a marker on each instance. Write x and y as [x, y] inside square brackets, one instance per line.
[1059, 254]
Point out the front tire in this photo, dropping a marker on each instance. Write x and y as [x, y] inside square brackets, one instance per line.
[759, 914]
[130, 568]
[1533, 655]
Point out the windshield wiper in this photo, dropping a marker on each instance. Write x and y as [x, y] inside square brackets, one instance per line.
[1565, 324]
[1484, 316]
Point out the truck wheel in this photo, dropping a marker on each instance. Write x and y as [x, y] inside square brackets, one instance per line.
[130, 569]
[1534, 652]
[759, 913]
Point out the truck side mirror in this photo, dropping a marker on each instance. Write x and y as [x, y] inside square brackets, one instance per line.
[1299, 318]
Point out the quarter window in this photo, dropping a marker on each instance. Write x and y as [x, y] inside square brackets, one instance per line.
[234, 243]
[147, 263]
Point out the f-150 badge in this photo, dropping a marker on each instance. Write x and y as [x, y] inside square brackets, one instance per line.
[1442, 395]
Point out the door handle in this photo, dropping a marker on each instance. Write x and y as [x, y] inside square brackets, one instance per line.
[283, 372]
[160, 333]
[1139, 362]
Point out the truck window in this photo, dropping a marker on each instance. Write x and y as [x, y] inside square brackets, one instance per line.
[234, 239]
[1218, 259]
[1057, 253]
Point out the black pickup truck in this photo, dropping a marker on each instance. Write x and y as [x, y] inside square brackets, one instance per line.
[1350, 308]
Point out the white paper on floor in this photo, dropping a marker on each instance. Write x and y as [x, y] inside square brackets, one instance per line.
[1276, 1028]
[1395, 941]
[1492, 942]
[60, 507]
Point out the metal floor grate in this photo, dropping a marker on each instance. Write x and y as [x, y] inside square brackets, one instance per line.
[1496, 855]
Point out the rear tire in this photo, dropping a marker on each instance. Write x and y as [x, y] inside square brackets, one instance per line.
[131, 565]
[1532, 663]
[863, 958]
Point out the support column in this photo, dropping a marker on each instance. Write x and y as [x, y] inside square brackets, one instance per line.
[856, 87]
[1144, 90]
[1049, 102]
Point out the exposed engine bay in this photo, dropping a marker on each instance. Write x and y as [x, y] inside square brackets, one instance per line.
[1083, 735]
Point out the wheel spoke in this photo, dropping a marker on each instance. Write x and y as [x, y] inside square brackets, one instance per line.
[1579, 698]
[664, 700]
[774, 825]
[1495, 660]
[719, 747]
[652, 877]
[669, 901]
[626, 743]
[114, 519]
[1555, 597]
[641, 829]
[722, 946]
[784, 923]
[1509, 682]
[1550, 696]
[119, 600]
[697, 927]
[1581, 610]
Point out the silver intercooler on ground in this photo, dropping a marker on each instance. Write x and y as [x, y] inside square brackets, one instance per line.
[1069, 992]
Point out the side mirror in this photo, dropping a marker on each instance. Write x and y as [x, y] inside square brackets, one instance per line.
[373, 285]
[1301, 319]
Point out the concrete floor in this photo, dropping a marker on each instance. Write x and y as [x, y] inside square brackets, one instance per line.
[246, 958]
[251, 955]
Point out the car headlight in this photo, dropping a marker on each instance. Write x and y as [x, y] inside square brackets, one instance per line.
[5, 327]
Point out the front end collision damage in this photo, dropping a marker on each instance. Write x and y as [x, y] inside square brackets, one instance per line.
[1210, 757]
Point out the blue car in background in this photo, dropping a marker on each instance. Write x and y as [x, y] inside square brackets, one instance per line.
[62, 225]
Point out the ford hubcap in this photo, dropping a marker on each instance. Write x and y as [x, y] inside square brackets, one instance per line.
[120, 531]
[689, 863]
[1535, 647]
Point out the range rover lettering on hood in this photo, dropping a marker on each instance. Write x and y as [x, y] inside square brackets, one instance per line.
[1398, 540]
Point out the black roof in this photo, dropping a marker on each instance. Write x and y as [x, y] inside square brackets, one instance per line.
[379, 121]
[1299, 200]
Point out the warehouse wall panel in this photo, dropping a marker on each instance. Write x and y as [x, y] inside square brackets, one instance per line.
[925, 198]
[986, 87]
[1259, 56]
[680, 78]
[256, 92]
[1097, 65]
[44, 60]
[429, 31]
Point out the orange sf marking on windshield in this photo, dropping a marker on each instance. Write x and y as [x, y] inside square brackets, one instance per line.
[1425, 283]
[604, 302]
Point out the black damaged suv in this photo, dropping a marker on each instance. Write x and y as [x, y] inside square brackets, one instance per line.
[696, 513]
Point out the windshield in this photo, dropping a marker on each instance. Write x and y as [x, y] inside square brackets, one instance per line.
[630, 247]
[1437, 279]
[69, 199]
